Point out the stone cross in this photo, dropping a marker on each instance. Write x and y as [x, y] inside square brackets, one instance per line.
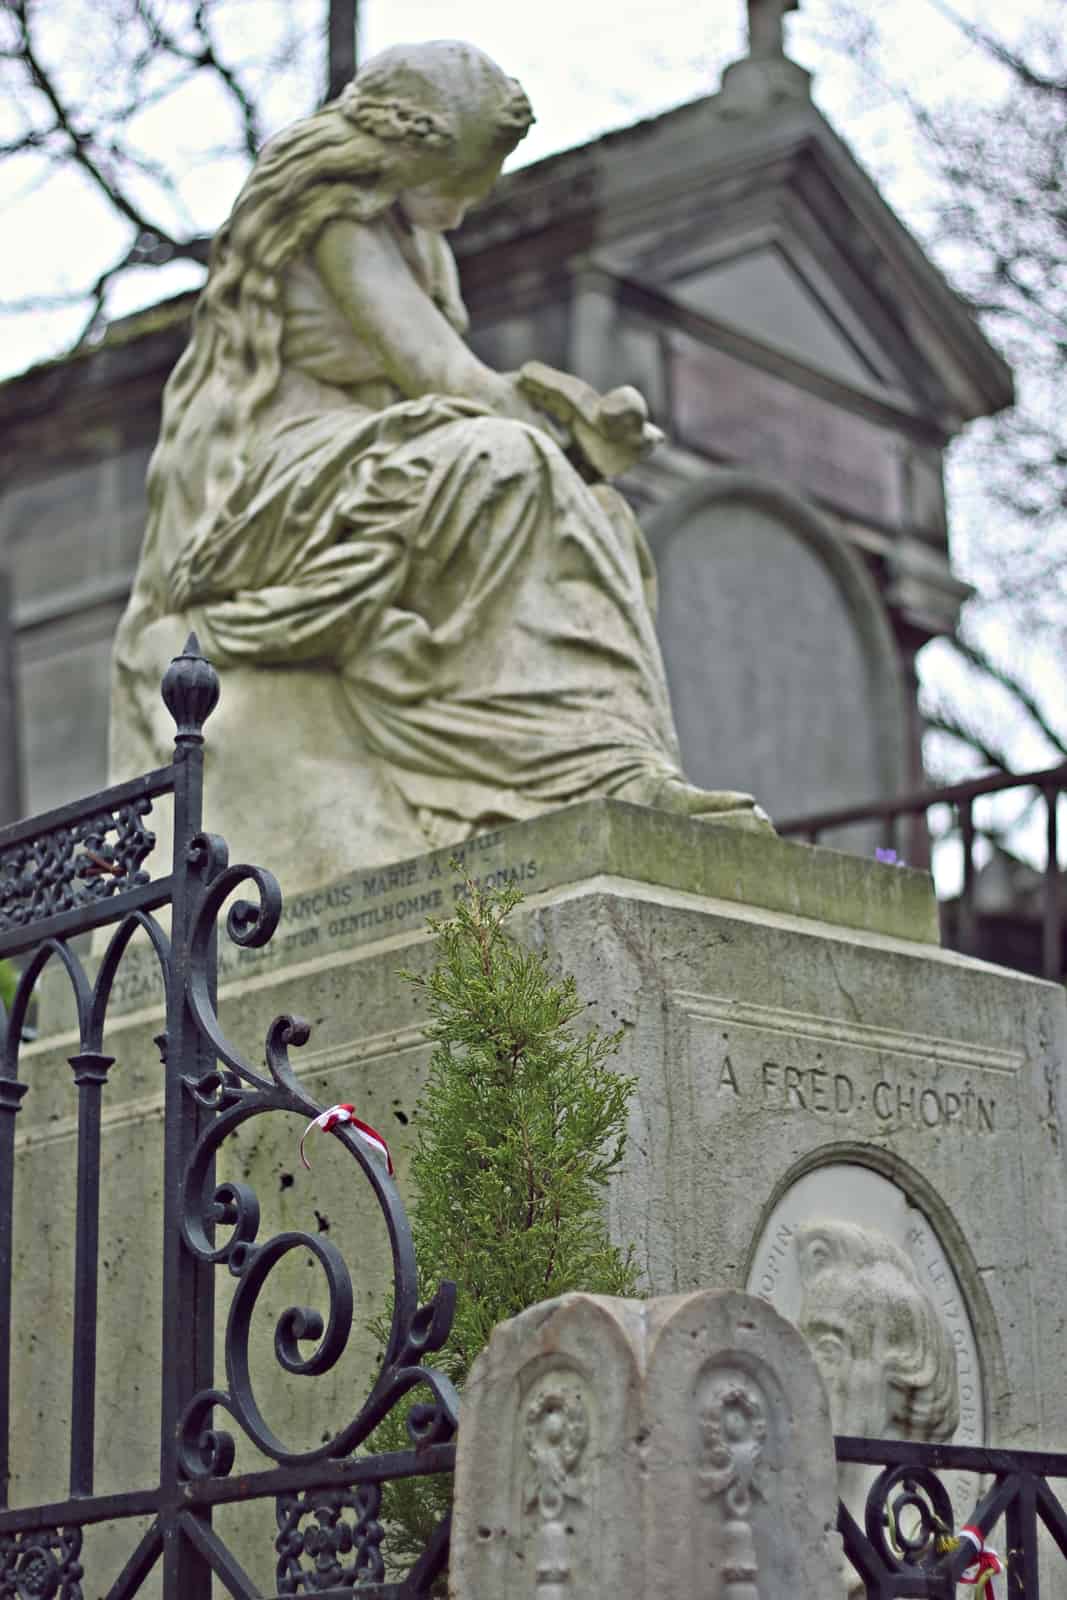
[766, 27]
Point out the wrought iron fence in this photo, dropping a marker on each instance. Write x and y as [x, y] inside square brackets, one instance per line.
[81, 868]
[909, 1546]
[1048, 783]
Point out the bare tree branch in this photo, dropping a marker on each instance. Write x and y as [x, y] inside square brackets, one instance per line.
[79, 144]
[1015, 687]
[1000, 51]
[942, 719]
[342, 45]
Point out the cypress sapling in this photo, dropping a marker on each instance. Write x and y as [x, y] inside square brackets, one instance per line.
[520, 1125]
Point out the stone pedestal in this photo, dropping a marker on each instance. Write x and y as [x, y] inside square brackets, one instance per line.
[805, 1052]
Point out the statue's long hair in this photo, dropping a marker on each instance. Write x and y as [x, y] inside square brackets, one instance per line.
[412, 114]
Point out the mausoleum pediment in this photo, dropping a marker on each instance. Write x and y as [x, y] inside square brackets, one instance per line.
[762, 222]
[761, 293]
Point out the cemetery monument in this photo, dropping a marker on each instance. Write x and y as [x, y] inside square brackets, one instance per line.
[377, 538]
[411, 565]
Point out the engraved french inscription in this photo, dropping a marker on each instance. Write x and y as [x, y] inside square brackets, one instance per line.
[378, 904]
[851, 1079]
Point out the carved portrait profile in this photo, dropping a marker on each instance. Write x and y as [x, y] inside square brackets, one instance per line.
[886, 1356]
[883, 1350]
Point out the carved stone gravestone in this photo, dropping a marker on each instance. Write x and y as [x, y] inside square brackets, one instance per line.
[618, 1448]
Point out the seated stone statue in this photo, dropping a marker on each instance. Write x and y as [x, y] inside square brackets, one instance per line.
[428, 615]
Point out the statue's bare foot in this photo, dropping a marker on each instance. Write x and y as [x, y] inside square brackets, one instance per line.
[708, 805]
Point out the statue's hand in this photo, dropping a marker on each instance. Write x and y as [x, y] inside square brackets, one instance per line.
[611, 432]
[517, 402]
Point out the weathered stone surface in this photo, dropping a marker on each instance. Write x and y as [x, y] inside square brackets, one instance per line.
[680, 1446]
[761, 419]
[599, 838]
[598, 260]
[411, 563]
[769, 1042]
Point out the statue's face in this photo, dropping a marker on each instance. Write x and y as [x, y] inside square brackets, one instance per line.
[851, 1364]
[442, 204]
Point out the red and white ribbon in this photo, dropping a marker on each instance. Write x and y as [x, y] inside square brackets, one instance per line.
[986, 1565]
[331, 1118]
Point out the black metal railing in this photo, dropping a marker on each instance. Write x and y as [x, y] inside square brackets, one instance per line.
[81, 868]
[1048, 783]
[909, 1547]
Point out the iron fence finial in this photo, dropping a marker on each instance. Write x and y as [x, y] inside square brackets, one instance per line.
[190, 690]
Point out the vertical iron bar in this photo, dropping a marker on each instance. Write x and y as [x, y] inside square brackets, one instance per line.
[90, 1074]
[1024, 1581]
[11, 1093]
[889, 831]
[966, 931]
[190, 691]
[1052, 940]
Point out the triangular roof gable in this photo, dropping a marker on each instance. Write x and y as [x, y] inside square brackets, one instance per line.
[785, 237]
[692, 201]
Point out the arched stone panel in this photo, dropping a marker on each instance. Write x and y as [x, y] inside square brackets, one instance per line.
[779, 654]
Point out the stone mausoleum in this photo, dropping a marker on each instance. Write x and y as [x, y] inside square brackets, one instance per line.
[807, 362]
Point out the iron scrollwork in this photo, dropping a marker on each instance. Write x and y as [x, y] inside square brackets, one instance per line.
[81, 868]
[43, 1564]
[75, 864]
[235, 1092]
[315, 1558]
[909, 1517]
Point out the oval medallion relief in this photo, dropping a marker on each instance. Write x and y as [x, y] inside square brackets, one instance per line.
[848, 1258]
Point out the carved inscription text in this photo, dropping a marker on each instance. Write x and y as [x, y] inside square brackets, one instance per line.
[895, 1100]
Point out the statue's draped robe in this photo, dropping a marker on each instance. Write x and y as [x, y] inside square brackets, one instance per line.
[424, 619]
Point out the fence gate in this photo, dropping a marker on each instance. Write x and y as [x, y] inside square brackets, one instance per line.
[79, 868]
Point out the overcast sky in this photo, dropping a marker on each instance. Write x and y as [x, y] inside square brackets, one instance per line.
[587, 65]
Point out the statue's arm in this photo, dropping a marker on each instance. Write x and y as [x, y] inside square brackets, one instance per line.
[421, 352]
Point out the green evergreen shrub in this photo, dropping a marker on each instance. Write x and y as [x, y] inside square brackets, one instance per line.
[520, 1126]
[9, 980]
